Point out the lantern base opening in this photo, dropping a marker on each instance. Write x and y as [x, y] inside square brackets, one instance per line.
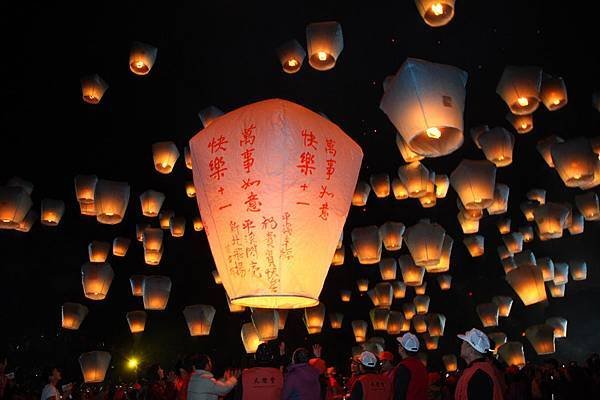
[437, 18]
[322, 61]
[276, 301]
[528, 106]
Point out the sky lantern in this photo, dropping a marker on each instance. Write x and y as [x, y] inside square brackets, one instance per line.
[408, 155]
[419, 323]
[503, 225]
[187, 156]
[442, 183]
[578, 269]
[587, 204]
[475, 244]
[508, 264]
[282, 315]
[359, 328]
[27, 223]
[136, 321]
[574, 161]
[52, 212]
[421, 289]
[373, 296]
[522, 123]
[156, 289]
[500, 203]
[87, 209]
[497, 145]
[412, 274]
[436, 324]
[98, 251]
[96, 279]
[73, 315]
[396, 323]
[415, 177]
[208, 115]
[554, 93]
[512, 354]
[324, 42]
[444, 264]
[93, 88]
[153, 246]
[362, 285]
[250, 338]
[525, 257]
[137, 285]
[409, 310]
[384, 293]
[199, 318]
[94, 365]
[528, 209]
[338, 257]
[164, 218]
[367, 241]
[424, 241]
[380, 184]
[120, 246]
[346, 295]
[436, 13]
[546, 265]
[314, 317]
[528, 283]
[450, 362]
[504, 304]
[216, 277]
[139, 231]
[198, 225]
[560, 326]
[234, 308]
[379, 319]
[190, 189]
[431, 342]
[444, 281]
[400, 191]
[550, 219]
[541, 338]
[335, 320]
[519, 87]
[282, 184]
[177, 226]
[527, 232]
[561, 273]
[476, 131]
[361, 194]
[391, 235]
[291, 56]
[15, 203]
[387, 268]
[488, 314]
[266, 322]
[474, 182]
[556, 291]
[111, 199]
[467, 225]
[499, 338]
[577, 224]
[543, 147]
[425, 102]
[471, 214]
[429, 199]
[85, 186]
[399, 289]
[513, 241]
[141, 58]
[165, 154]
[422, 304]
[503, 252]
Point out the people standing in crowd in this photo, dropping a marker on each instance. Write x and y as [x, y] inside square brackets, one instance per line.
[50, 391]
[204, 386]
[409, 377]
[158, 387]
[264, 381]
[371, 385]
[387, 361]
[334, 388]
[301, 381]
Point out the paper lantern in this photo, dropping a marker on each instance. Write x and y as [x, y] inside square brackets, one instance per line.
[216, 277]
[165, 154]
[391, 235]
[120, 246]
[474, 182]
[136, 321]
[528, 283]
[471, 214]
[442, 183]
[577, 224]
[541, 338]
[488, 314]
[522, 123]
[444, 281]
[387, 268]
[14, 206]
[467, 225]
[574, 161]
[408, 155]
[111, 199]
[525, 258]
[379, 319]
[335, 320]
[137, 285]
[550, 219]
[345, 295]
[139, 231]
[177, 226]
[508, 264]
[291, 56]
[497, 145]
[431, 342]
[587, 204]
[400, 191]
[560, 326]
[561, 273]
[512, 354]
[397, 323]
[359, 327]
[450, 362]
[436, 13]
[547, 267]
[504, 304]
[361, 194]
[96, 279]
[266, 321]
[141, 58]
[187, 156]
[543, 147]
[444, 264]
[419, 323]
[367, 244]
[384, 294]
[430, 127]
[98, 251]
[503, 252]
[475, 245]
[153, 245]
[556, 291]
[380, 184]
[250, 338]
[578, 270]
[554, 93]
[85, 186]
[424, 241]
[399, 289]
[421, 289]
[519, 87]
[208, 115]
[503, 225]
[513, 241]
[421, 304]
[409, 310]
[286, 271]
[164, 218]
[536, 194]
[198, 225]
[16, 181]
[73, 315]
[415, 177]
[27, 223]
[528, 208]
[156, 291]
[527, 232]
[429, 199]
[190, 189]
[500, 203]
[436, 324]
[93, 88]
[233, 308]
[314, 317]
[499, 338]
[412, 274]
[338, 257]
[363, 285]
[94, 365]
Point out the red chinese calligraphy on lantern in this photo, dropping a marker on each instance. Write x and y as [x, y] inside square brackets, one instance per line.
[246, 141]
[330, 152]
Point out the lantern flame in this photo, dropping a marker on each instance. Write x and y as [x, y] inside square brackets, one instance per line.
[433, 133]
[437, 9]
[523, 102]
[322, 56]
[292, 62]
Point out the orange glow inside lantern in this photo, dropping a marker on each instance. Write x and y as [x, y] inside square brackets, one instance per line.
[436, 324]
[415, 177]
[474, 181]
[136, 321]
[345, 296]
[335, 320]
[431, 342]
[359, 328]
[96, 279]
[85, 185]
[445, 281]
[421, 304]
[250, 338]
[111, 199]
[94, 366]
[400, 191]
[73, 315]
[522, 123]
[450, 362]
[488, 314]
[266, 322]
[391, 235]
[379, 319]
[198, 225]
[399, 289]
[519, 87]
[396, 323]
[291, 56]
[367, 244]
[475, 245]
[560, 326]
[512, 353]
[314, 317]
[363, 285]
[412, 274]
[338, 257]
[156, 291]
[165, 154]
[137, 282]
[381, 185]
[554, 93]
[120, 246]
[387, 269]
[141, 58]
[98, 251]
[425, 241]
[406, 152]
[436, 13]
[93, 88]
[504, 304]
[361, 194]
[409, 310]
[528, 283]
[325, 42]
[190, 189]
[541, 338]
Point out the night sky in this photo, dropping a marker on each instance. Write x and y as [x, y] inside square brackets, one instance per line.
[224, 55]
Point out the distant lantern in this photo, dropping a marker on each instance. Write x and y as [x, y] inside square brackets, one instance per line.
[503, 225]
[387, 268]
[444, 264]
[314, 317]
[98, 251]
[560, 326]
[442, 183]
[400, 191]
[216, 277]
[408, 155]
[431, 342]
[424, 241]
[27, 223]
[164, 218]
[94, 366]
[412, 274]
[362, 285]
[165, 154]
[396, 323]
[537, 195]
[587, 204]
[554, 93]
[399, 289]
[361, 194]
[561, 273]
[367, 244]
[52, 212]
[137, 285]
[512, 354]
[250, 338]
[546, 265]
[283, 314]
[335, 320]
[499, 338]
[85, 185]
[345, 295]
[190, 189]
[415, 177]
[232, 307]
[467, 225]
[359, 327]
[266, 321]
[384, 293]
[290, 275]
[578, 269]
[87, 209]
[380, 184]
[504, 304]
[474, 214]
[527, 232]
[73, 315]
[519, 87]
[419, 323]
[436, 324]
[139, 231]
[391, 234]
[409, 310]
[208, 115]
[528, 283]
[141, 58]
[497, 145]
[522, 123]
[488, 314]
[187, 156]
[422, 304]
[120, 246]
[291, 56]
[156, 289]
[528, 208]
[325, 42]
[444, 281]
[136, 321]
[153, 246]
[550, 220]
[475, 245]
[556, 291]
[474, 182]
[508, 264]
[503, 252]
[436, 13]
[421, 289]
[338, 257]
[198, 225]
[111, 199]
[379, 319]
[96, 279]
[525, 258]
[177, 226]
[577, 224]
[429, 199]
[513, 241]
[93, 88]
[500, 203]
[574, 161]
[544, 145]
[430, 127]
[541, 338]
[450, 362]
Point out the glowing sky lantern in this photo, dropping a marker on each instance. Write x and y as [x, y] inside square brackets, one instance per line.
[512, 353]
[578, 269]
[141, 58]
[554, 93]
[359, 328]
[208, 115]
[399, 289]
[85, 185]
[409, 310]
[560, 326]
[474, 182]
[335, 320]
[421, 304]
[503, 225]
[424, 241]
[400, 191]
[199, 318]
[556, 291]
[412, 274]
[94, 365]
[266, 322]
[561, 273]
[137, 282]
[475, 245]
[536, 194]
[406, 152]
[367, 241]
[543, 147]
[498, 339]
[528, 283]
[120, 246]
[396, 323]
[522, 123]
[476, 132]
[436, 13]
[467, 225]
[277, 176]
[165, 154]
[497, 145]
[380, 184]
[325, 42]
[136, 321]
[387, 268]
[30, 219]
[541, 338]
[250, 338]
[361, 194]
[450, 362]
[291, 56]
[415, 177]
[436, 324]
[504, 304]
[519, 87]
[346, 295]
[444, 264]
[391, 234]
[547, 266]
[488, 314]
[314, 317]
[442, 183]
[379, 319]
[111, 199]
[93, 88]
[338, 257]
[187, 157]
[577, 223]
[527, 232]
[156, 289]
[587, 204]
[574, 161]
[513, 241]
[425, 102]
[550, 219]
[15, 203]
[98, 251]
[96, 279]
[73, 315]
[419, 322]
[444, 281]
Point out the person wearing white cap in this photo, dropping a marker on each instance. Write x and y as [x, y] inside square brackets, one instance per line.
[409, 377]
[480, 380]
[370, 384]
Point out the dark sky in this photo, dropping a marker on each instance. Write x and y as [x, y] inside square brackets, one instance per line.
[224, 55]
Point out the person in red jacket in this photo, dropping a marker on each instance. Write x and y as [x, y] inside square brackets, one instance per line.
[409, 377]
[370, 384]
[264, 381]
[481, 380]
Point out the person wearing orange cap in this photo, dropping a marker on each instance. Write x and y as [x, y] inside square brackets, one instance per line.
[370, 384]
[409, 377]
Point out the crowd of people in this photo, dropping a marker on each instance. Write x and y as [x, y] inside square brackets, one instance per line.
[375, 374]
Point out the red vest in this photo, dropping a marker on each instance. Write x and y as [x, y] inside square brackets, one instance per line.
[462, 386]
[375, 387]
[417, 385]
[262, 383]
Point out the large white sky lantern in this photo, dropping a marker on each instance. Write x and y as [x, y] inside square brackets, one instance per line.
[425, 102]
[274, 181]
